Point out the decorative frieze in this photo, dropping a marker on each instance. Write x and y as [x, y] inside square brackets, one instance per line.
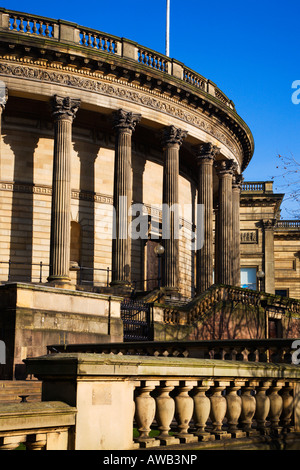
[112, 87]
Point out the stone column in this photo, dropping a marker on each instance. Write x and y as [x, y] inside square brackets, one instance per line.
[205, 155]
[236, 238]
[172, 140]
[269, 279]
[225, 170]
[3, 101]
[124, 125]
[63, 110]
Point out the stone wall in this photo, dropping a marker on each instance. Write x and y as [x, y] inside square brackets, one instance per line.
[32, 317]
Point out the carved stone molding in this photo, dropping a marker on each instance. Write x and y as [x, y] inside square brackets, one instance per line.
[268, 224]
[172, 135]
[129, 93]
[224, 167]
[206, 151]
[237, 181]
[64, 107]
[125, 120]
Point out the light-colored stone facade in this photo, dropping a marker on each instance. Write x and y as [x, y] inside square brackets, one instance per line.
[64, 64]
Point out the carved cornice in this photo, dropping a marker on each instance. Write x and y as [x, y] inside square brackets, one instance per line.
[172, 135]
[125, 91]
[64, 107]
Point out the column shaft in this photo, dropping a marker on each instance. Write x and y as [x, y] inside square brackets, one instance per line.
[205, 157]
[64, 110]
[225, 172]
[172, 140]
[124, 124]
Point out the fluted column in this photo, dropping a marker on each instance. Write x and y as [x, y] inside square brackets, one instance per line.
[172, 140]
[225, 170]
[63, 110]
[205, 155]
[236, 192]
[124, 125]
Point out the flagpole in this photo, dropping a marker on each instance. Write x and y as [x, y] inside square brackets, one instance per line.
[168, 29]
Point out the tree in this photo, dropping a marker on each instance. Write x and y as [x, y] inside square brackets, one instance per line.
[289, 169]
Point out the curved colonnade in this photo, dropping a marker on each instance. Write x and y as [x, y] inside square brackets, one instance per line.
[115, 120]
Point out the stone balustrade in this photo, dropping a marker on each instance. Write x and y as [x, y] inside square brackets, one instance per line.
[69, 33]
[36, 426]
[172, 401]
[273, 350]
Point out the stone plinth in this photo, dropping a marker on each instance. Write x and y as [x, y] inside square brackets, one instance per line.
[32, 317]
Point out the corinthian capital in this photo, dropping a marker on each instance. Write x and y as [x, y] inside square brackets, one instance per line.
[237, 181]
[206, 151]
[225, 167]
[173, 135]
[64, 107]
[125, 119]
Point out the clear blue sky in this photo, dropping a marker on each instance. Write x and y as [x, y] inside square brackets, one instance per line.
[250, 49]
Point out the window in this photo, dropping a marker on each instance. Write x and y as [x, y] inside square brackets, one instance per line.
[282, 292]
[248, 278]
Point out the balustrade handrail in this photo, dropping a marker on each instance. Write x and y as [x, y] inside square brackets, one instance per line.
[62, 31]
[36, 426]
[197, 399]
[275, 350]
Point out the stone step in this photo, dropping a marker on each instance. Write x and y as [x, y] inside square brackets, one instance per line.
[12, 390]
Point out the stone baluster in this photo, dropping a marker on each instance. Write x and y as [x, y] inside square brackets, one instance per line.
[276, 406]
[36, 441]
[287, 407]
[202, 410]
[236, 192]
[171, 140]
[225, 170]
[124, 125]
[248, 408]
[262, 406]
[165, 409]
[11, 442]
[184, 407]
[234, 408]
[145, 412]
[205, 155]
[218, 409]
[63, 111]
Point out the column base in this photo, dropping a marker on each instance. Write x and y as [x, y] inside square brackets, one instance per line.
[122, 288]
[60, 282]
[171, 292]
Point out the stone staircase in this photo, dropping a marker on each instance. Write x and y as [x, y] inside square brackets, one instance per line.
[11, 391]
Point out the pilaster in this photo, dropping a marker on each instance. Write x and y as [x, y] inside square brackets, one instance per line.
[268, 247]
[236, 192]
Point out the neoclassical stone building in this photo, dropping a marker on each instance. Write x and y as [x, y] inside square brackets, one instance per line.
[122, 171]
[92, 124]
